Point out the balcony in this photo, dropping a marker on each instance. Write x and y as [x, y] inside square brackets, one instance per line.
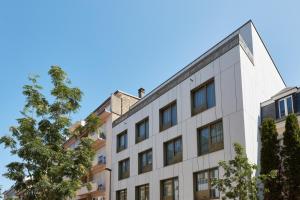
[96, 190]
[100, 166]
[99, 140]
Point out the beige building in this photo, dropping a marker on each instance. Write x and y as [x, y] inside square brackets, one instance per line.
[99, 176]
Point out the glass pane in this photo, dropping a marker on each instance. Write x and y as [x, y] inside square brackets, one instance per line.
[202, 181]
[174, 114]
[170, 152]
[214, 193]
[149, 158]
[281, 108]
[216, 133]
[200, 99]
[289, 104]
[204, 133]
[167, 189]
[142, 130]
[147, 129]
[166, 117]
[211, 95]
[177, 146]
[176, 189]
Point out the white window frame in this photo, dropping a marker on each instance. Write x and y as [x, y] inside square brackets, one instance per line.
[285, 106]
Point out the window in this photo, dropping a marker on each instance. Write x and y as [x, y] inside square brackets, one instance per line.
[210, 138]
[203, 97]
[285, 106]
[170, 189]
[142, 130]
[168, 116]
[145, 161]
[142, 192]
[122, 194]
[173, 151]
[202, 184]
[122, 141]
[124, 169]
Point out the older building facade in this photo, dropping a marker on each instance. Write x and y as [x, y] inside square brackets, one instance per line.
[168, 145]
[100, 173]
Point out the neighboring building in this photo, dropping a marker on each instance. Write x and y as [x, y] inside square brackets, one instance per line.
[168, 145]
[285, 102]
[10, 194]
[99, 176]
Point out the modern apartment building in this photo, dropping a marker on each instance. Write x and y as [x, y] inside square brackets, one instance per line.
[285, 102]
[168, 145]
[100, 174]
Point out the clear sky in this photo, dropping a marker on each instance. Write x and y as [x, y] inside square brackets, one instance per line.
[126, 44]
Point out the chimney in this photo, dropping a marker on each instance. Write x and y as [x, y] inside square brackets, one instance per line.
[141, 92]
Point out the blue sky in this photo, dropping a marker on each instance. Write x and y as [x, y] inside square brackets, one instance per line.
[109, 45]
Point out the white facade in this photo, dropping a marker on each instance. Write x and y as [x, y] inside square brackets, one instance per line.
[244, 76]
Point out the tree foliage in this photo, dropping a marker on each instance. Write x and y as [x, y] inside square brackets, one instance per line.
[46, 170]
[238, 181]
[270, 159]
[291, 157]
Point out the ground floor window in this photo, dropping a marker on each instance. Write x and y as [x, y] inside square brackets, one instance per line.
[142, 192]
[122, 194]
[203, 187]
[170, 189]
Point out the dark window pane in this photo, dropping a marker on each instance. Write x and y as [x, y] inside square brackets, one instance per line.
[200, 99]
[289, 104]
[177, 146]
[216, 133]
[166, 120]
[203, 137]
[281, 108]
[211, 95]
[174, 114]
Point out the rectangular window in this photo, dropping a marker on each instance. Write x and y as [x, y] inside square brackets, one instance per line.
[173, 151]
[285, 106]
[168, 116]
[142, 192]
[124, 168]
[122, 141]
[203, 187]
[142, 130]
[170, 189]
[203, 97]
[210, 138]
[122, 194]
[145, 161]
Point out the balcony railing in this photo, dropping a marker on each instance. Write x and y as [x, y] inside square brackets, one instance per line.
[95, 188]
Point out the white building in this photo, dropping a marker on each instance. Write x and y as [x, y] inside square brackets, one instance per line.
[168, 145]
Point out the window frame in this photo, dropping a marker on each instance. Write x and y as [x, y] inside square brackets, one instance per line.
[119, 191]
[198, 194]
[123, 175]
[176, 158]
[138, 138]
[194, 110]
[162, 110]
[211, 147]
[119, 148]
[173, 179]
[147, 168]
[137, 190]
[286, 112]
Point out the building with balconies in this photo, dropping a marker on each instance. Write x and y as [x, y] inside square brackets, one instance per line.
[99, 175]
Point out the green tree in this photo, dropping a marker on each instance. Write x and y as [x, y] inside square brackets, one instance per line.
[270, 159]
[238, 181]
[46, 170]
[291, 157]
